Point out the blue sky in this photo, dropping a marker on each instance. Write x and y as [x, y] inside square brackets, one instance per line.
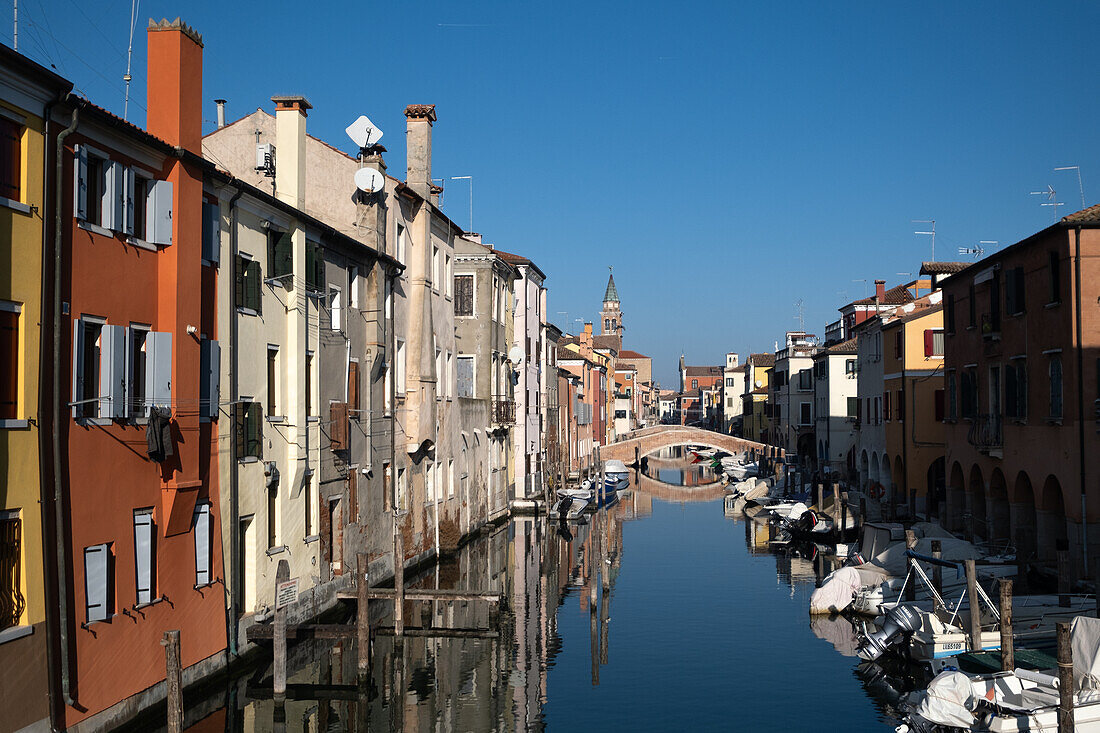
[728, 158]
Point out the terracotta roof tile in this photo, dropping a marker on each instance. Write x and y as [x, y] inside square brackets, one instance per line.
[703, 371]
[761, 360]
[942, 268]
[1091, 214]
[897, 295]
[628, 354]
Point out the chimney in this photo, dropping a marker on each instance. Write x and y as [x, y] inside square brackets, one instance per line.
[221, 112]
[880, 290]
[418, 148]
[174, 84]
[290, 146]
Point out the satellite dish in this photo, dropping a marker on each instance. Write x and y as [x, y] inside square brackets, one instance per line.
[515, 355]
[369, 180]
[363, 132]
[759, 384]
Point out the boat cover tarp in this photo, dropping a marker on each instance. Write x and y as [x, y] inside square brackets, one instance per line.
[947, 701]
[796, 510]
[893, 559]
[931, 530]
[1085, 636]
[877, 536]
[835, 594]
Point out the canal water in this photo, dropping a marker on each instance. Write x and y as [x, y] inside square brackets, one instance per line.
[657, 616]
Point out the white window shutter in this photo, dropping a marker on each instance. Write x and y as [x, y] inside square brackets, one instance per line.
[112, 196]
[112, 372]
[95, 582]
[78, 364]
[158, 368]
[159, 226]
[143, 556]
[202, 544]
[128, 203]
[80, 182]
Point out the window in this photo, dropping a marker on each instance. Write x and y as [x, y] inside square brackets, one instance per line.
[402, 491]
[86, 355]
[448, 275]
[1055, 369]
[211, 230]
[970, 394]
[886, 406]
[878, 410]
[273, 513]
[315, 267]
[98, 583]
[952, 397]
[9, 360]
[695, 384]
[145, 556]
[1016, 390]
[973, 309]
[938, 405]
[353, 390]
[429, 483]
[850, 366]
[137, 212]
[1054, 266]
[210, 359]
[1014, 291]
[950, 308]
[309, 492]
[11, 154]
[335, 309]
[400, 366]
[400, 252]
[464, 295]
[280, 254]
[933, 342]
[465, 376]
[204, 524]
[272, 380]
[901, 406]
[388, 297]
[805, 379]
[353, 288]
[309, 384]
[451, 478]
[450, 368]
[249, 434]
[853, 408]
[388, 498]
[12, 602]
[729, 380]
[897, 344]
[138, 369]
[436, 267]
[247, 285]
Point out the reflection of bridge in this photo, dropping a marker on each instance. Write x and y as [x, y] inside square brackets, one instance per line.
[649, 440]
[673, 492]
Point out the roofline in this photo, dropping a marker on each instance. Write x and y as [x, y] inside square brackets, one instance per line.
[24, 65]
[1067, 225]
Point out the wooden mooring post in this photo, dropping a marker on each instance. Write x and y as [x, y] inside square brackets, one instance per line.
[1063, 578]
[282, 575]
[398, 578]
[911, 586]
[1008, 653]
[1065, 679]
[836, 508]
[937, 571]
[173, 679]
[362, 615]
[819, 498]
[975, 611]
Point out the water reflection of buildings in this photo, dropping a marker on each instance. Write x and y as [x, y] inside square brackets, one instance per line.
[440, 683]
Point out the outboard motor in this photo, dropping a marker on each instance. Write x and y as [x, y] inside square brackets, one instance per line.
[899, 621]
[563, 507]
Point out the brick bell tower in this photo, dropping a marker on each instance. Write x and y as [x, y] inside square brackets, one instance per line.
[611, 316]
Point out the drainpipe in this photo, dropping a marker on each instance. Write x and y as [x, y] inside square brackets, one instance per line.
[391, 345]
[59, 512]
[1081, 402]
[234, 479]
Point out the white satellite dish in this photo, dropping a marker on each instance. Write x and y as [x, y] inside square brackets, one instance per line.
[759, 384]
[369, 180]
[363, 132]
[515, 355]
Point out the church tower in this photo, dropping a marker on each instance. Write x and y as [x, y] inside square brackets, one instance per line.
[611, 315]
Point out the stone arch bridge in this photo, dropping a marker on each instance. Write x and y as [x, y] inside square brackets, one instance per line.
[648, 440]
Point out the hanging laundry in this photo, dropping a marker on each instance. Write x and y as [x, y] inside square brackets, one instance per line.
[158, 434]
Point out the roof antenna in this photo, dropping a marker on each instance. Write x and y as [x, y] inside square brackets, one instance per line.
[129, 56]
[933, 232]
[1080, 187]
[800, 306]
[1052, 199]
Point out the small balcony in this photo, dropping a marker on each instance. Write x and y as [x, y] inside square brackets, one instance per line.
[986, 433]
[503, 411]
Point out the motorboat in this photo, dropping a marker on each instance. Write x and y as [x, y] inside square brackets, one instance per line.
[572, 503]
[1013, 701]
[616, 476]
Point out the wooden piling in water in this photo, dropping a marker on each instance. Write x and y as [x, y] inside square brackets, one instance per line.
[819, 499]
[911, 586]
[937, 571]
[362, 615]
[282, 574]
[173, 679]
[1008, 653]
[1065, 679]
[1063, 578]
[836, 508]
[398, 579]
[975, 611]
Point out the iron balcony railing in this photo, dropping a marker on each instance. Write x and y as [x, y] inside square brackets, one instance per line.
[986, 432]
[504, 411]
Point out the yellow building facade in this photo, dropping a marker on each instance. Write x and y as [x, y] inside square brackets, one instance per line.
[756, 422]
[25, 90]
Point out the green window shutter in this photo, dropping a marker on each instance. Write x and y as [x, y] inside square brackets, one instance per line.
[252, 294]
[280, 254]
[238, 429]
[238, 282]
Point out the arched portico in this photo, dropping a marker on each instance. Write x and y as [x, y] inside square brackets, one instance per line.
[1024, 528]
[956, 500]
[979, 522]
[999, 515]
[1051, 519]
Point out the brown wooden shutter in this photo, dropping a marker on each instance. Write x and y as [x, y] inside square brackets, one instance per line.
[929, 343]
[353, 495]
[9, 364]
[326, 531]
[353, 388]
[338, 427]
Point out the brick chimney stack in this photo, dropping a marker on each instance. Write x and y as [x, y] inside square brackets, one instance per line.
[418, 148]
[880, 290]
[174, 84]
[290, 149]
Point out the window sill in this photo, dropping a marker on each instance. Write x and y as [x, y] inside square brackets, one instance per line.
[276, 419]
[247, 311]
[313, 419]
[14, 205]
[204, 586]
[142, 606]
[1053, 304]
[248, 459]
[14, 424]
[208, 263]
[100, 422]
[276, 282]
[311, 538]
[276, 550]
[1054, 421]
[95, 228]
[15, 632]
[971, 328]
[141, 244]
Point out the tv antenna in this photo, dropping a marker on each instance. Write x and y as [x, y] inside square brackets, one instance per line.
[800, 307]
[129, 56]
[1080, 187]
[1052, 199]
[861, 280]
[932, 232]
[978, 251]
